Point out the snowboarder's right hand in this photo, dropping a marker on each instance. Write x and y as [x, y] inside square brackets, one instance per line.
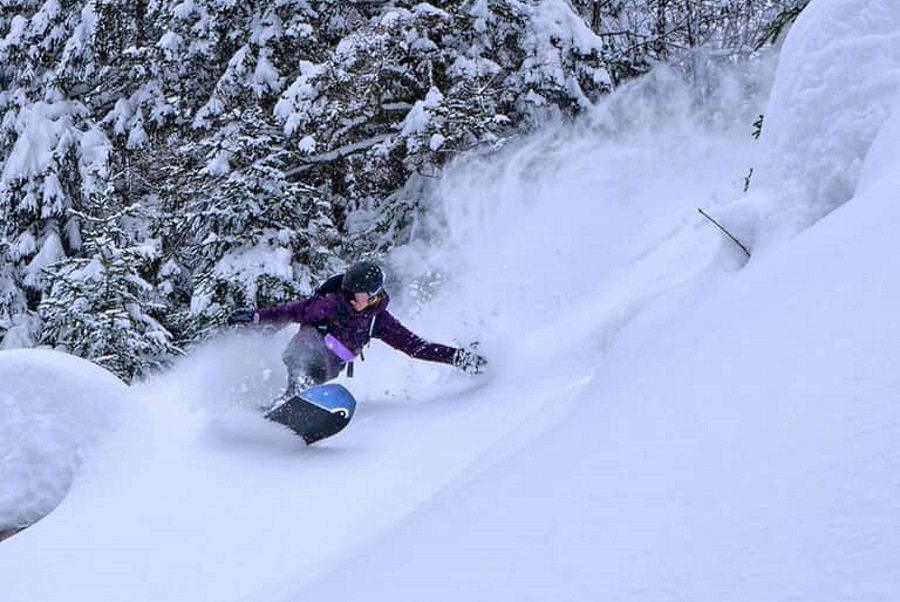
[245, 315]
[469, 361]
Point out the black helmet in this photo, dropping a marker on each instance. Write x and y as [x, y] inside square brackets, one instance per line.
[363, 277]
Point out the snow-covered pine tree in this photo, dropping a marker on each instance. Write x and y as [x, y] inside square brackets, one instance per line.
[775, 25]
[242, 232]
[690, 35]
[417, 83]
[99, 306]
[345, 113]
[13, 305]
[40, 178]
[54, 155]
[558, 64]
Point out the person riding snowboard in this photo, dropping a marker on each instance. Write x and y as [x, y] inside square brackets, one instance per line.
[338, 321]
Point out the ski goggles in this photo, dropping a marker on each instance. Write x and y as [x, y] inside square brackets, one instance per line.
[373, 298]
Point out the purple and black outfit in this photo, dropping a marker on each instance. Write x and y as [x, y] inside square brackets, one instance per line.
[332, 333]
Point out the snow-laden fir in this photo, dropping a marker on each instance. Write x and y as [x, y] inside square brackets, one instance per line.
[664, 420]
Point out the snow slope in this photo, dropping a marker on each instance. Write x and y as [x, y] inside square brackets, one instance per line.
[741, 444]
[663, 422]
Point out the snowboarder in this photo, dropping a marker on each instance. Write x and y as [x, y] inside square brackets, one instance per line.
[338, 321]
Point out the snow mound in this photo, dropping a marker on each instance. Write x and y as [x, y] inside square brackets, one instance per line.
[52, 407]
[837, 80]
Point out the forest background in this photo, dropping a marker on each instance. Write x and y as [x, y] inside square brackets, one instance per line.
[164, 161]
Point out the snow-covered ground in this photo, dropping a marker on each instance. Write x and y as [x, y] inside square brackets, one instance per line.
[663, 421]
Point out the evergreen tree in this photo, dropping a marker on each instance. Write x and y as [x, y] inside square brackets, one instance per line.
[416, 84]
[691, 35]
[786, 12]
[242, 232]
[246, 235]
[12, 301]
[54, 154]
[99, 306]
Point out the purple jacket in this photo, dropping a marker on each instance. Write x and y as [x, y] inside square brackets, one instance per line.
[332, 313]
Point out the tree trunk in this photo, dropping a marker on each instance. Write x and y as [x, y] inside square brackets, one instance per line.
[659, 33]
[595, 17]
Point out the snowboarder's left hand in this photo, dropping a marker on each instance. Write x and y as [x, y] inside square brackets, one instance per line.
[469, 361]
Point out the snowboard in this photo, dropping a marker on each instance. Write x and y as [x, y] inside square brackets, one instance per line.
[316, 413]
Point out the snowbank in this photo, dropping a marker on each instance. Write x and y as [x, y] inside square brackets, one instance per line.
[52, 407]
[837, 81]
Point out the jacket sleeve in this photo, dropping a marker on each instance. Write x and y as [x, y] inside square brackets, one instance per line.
[391, 331]
[308, 311]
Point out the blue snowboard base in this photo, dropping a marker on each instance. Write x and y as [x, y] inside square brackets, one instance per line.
[316, 413]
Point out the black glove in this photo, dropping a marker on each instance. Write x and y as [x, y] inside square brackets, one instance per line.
[469, 361]
[245, 315]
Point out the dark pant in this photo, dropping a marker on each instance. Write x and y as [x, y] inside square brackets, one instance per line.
[307, 358]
